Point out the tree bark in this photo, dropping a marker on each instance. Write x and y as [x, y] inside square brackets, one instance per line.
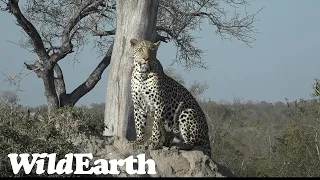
[135, 19]
[50, 90]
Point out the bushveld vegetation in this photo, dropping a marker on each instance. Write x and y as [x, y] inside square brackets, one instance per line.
[258, 139]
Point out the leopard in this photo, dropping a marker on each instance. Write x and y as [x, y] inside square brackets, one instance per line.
[179, 122]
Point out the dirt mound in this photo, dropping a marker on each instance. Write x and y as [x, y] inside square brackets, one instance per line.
[168, 163]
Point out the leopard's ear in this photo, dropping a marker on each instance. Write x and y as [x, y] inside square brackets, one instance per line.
[157, 43]
[133, 42]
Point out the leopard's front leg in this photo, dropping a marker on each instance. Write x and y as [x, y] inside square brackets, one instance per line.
[154, 141]
[140, 119]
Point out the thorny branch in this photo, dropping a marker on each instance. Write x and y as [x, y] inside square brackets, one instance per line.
[15, 79]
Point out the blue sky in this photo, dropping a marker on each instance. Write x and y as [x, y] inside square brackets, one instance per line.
[282, 63]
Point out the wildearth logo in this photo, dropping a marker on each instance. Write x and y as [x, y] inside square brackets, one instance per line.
[102, 166]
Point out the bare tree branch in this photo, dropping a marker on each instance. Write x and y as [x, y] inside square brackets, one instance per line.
[92, 80]
[178, 19]
[103, 33]
[34, 68]
[14, 8]
[16, 78]
[162, 38]
[85, 10]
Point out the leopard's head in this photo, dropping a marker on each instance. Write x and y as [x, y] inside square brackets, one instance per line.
[144, 52]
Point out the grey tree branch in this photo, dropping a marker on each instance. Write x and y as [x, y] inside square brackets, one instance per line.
[67, 47]
[104, 33]
[13, 7]
[34, 68]
[162, 38]
[92, 80]
[177, 19]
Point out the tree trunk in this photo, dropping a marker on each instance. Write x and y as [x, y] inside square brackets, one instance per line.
[135, 19]
[50, 92]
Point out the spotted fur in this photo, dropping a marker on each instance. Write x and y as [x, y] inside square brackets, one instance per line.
[175, 111]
